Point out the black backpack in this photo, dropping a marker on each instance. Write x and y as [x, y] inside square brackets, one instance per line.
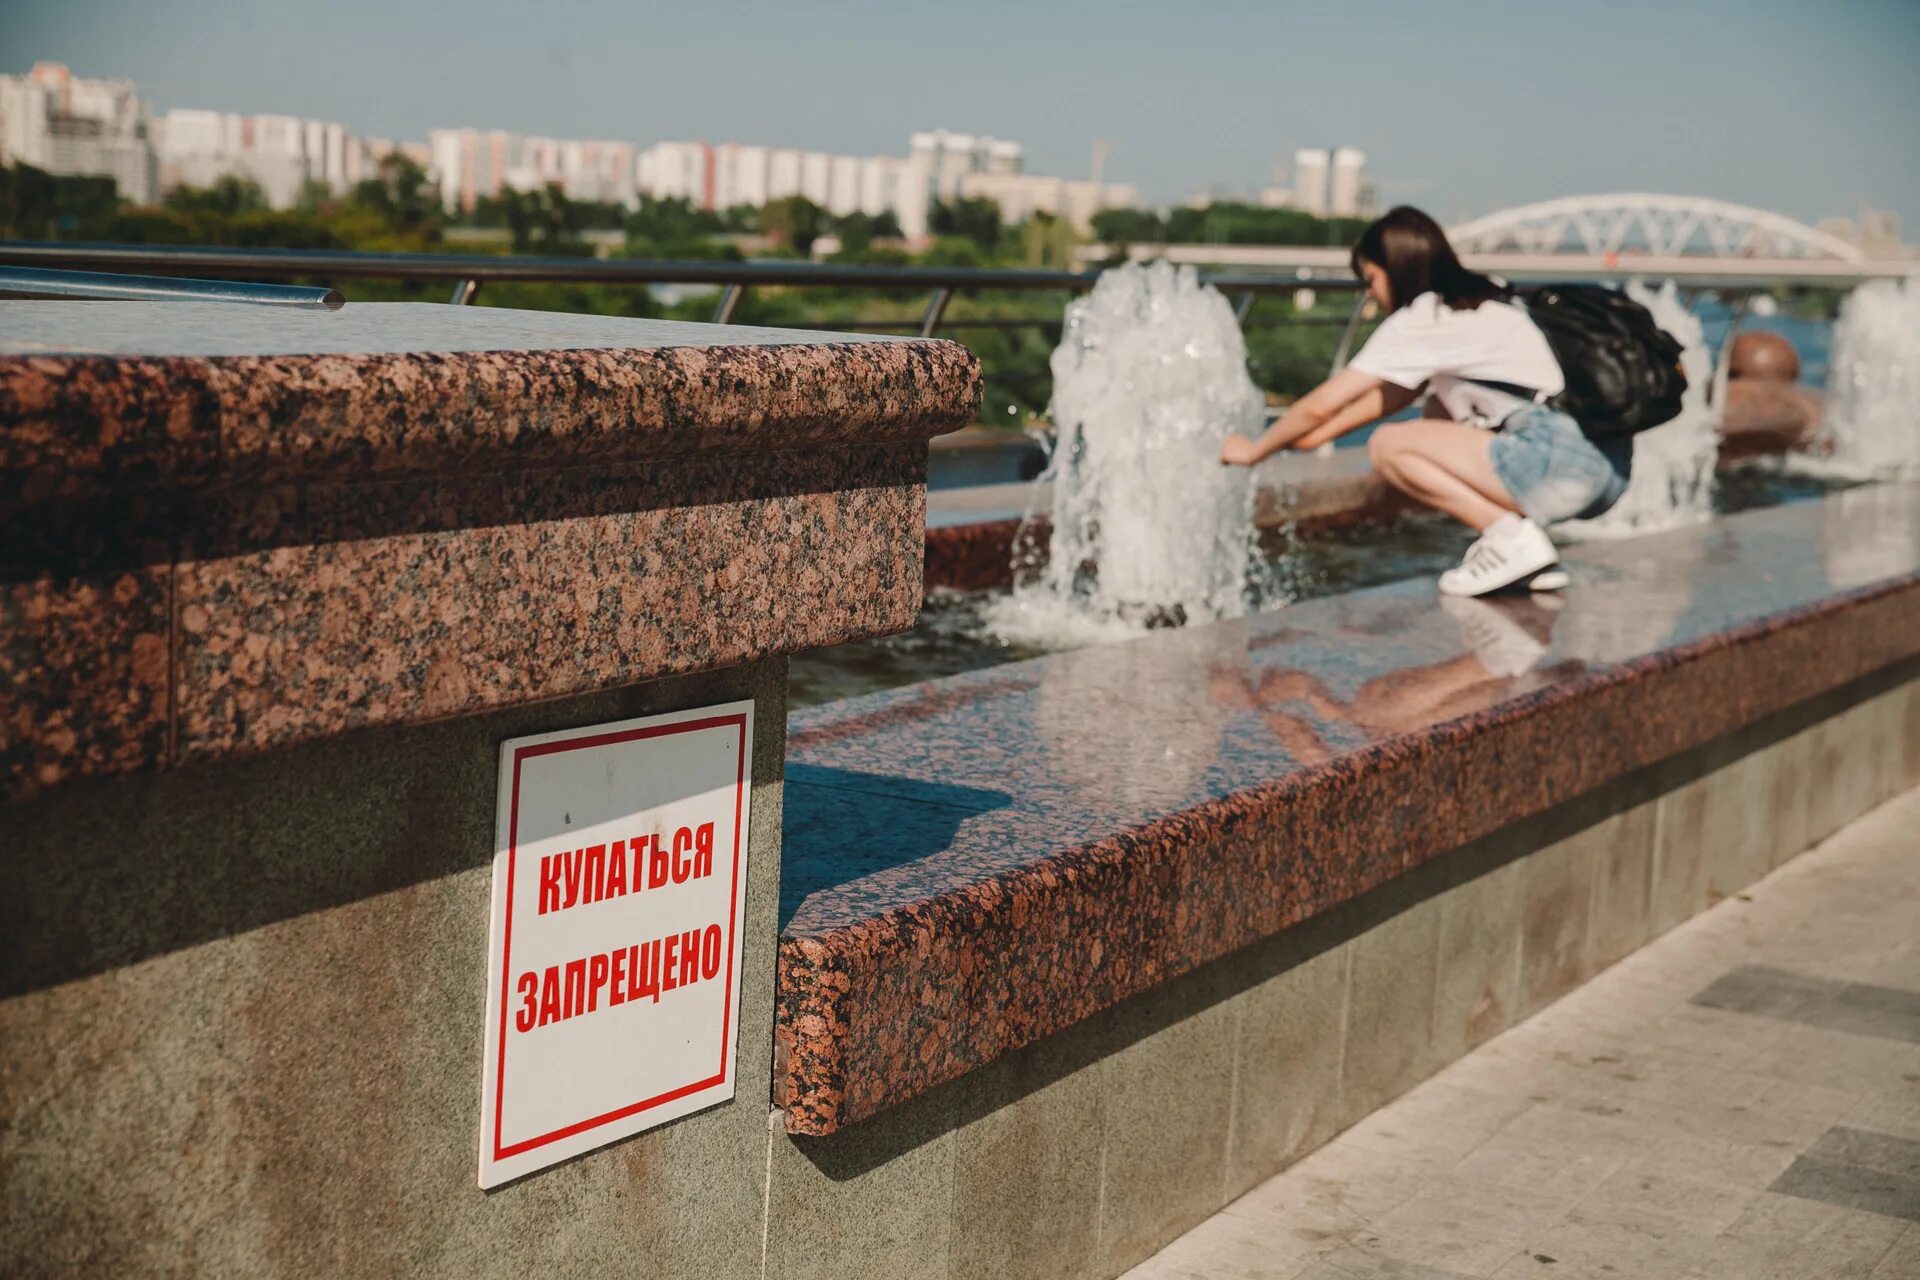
[1622, 370]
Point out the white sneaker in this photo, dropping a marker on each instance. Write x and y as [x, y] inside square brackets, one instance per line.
[1549, 580]
[1503, 646]
[1512, 549]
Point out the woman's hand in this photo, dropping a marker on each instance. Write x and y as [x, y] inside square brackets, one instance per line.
[1238, 451]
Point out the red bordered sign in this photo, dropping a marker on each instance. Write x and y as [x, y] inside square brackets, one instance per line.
[615, 948]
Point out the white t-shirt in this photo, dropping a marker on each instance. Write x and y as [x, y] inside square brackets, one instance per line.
[1428, 342]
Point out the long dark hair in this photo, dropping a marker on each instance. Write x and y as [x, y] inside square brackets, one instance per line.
[1412, 249]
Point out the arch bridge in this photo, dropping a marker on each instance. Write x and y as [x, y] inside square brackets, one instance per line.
[1654, 225]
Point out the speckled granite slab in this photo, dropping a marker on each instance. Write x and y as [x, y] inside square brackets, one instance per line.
[225, 528]
[976, 862]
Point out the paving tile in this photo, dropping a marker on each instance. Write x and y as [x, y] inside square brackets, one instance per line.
[1870, 1010]
[1898, 1115]
[1883, 1151]
[1473, 1229]
[1635, 1129]
[1552, 1151]
[1644, 1190]
[1224, 1248]
[1785, 1238]
[1359, 1264]
[1750, 1166]
[1858, 1007]
[1902, 1262]
[1767, 992]
[1431, 1128]
[1585, 1244]
[1815, 1055]
[1851, 1186]
[1333, 1193]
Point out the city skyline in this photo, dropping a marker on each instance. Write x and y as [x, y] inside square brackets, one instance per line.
[1607, 125]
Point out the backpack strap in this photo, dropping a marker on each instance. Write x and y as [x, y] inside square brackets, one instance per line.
[1512, 389]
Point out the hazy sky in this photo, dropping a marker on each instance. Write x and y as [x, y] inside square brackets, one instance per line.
[1466, 106]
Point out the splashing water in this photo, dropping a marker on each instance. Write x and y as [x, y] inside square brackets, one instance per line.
[1873, 384]
[1148, 528]
[1673, 464]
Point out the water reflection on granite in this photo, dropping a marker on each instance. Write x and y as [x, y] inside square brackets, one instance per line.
[1126, 733]
[1127, 812]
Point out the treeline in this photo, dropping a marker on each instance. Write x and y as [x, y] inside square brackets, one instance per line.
[1224, 223]
[399, 210]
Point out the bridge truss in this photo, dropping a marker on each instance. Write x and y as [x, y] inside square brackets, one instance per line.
[1656, 225]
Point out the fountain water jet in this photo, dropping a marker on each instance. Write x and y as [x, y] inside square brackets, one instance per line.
[1874, 382]
[1147, 527]
[1673, 464]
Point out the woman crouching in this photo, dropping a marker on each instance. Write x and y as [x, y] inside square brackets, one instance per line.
[1489, 452]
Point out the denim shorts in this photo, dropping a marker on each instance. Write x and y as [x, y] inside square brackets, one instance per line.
[1553, 470]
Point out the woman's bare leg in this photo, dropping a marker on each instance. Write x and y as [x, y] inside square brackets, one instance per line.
[1444, 465]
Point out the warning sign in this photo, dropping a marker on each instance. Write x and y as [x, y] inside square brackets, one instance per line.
[613, 965]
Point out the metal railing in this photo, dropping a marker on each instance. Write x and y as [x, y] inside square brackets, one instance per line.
[467, 274]
[1286, 270]
[88, 286]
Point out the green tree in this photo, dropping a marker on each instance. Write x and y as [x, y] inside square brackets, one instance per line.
[795, 221]
[1129, 226]
[1236, 223]
[400, 196]
[36, 205]
[542, 220]
[858, 231]
[315, 198]
[1048, 242]
[228, 197]
[975, 218]
[669, 228]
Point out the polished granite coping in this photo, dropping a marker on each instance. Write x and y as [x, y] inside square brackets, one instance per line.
[976, 862]
[228, 529]
[104, 396]
[360, 328]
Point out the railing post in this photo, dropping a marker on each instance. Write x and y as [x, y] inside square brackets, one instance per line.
[463, 291]
[1243, 308]
[936, 308]
[729, 303]
[1341, 352]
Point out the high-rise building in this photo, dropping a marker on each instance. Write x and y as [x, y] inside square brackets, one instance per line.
[472, 165]
[843, 186]
[879, 185]
[938, 162]
[816, 176]
[57, 121]
[1310, 166]
[740, 175]
[678, 171]
[600, 171]
[783, 173]
[1349, 196]
[1021, 195]
[279, 154]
